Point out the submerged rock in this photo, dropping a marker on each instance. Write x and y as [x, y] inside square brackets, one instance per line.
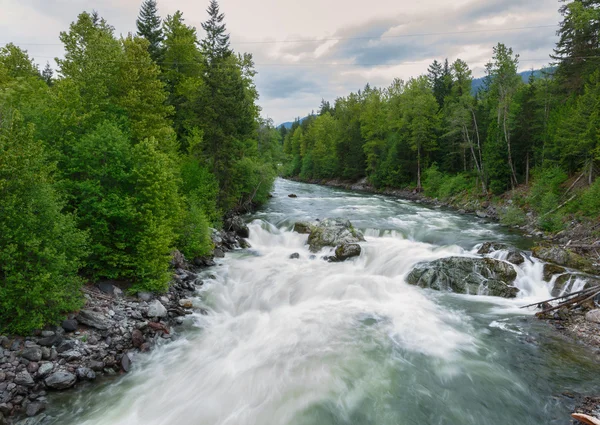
[514, 256]
[333, 232]
[465, 275]
[303, 227]
[294, 256]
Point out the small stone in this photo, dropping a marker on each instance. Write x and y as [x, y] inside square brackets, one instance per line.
[185, 303]
[51, 340]
[156, 309]
[67, 345]
[33, 367]
[295, 256]
[218, 253]
[46, 334]
[85, 373]
[70, 325]
[126, 362]
[96, 365]
[60, 380]
[71, 355]
[24, 378]
[292, 195]
[137, 338]
[144, 296]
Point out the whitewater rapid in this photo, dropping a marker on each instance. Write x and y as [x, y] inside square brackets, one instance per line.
[299, 342]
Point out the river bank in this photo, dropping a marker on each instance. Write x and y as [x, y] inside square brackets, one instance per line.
[104, 337]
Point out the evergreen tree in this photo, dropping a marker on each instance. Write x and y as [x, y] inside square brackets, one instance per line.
[47, 74]
[578, 49]
[215, 45]
[149, 27]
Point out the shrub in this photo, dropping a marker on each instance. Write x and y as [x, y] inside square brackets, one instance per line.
[513, 216]
[452, 186]
[41, 249]
[433, 179]
[589, 204]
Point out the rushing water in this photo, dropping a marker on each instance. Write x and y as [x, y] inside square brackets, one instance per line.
[306, 342]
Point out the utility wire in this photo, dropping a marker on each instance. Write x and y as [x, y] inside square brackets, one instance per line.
[319, 40]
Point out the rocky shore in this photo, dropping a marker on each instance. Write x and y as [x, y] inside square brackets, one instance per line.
[103, 338]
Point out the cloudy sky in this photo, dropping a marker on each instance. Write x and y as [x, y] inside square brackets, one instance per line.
[313, 49]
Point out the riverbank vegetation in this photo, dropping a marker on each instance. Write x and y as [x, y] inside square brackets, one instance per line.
[133, 149]
[435, 134]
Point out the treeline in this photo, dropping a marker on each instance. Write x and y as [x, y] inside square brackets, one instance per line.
[133, 150]
[434, 133]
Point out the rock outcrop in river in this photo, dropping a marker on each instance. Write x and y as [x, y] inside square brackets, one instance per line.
[466, 275]
[332, 232]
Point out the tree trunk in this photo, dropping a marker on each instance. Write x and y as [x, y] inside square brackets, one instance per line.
[513, 177]
[419, 168]
[480, 167]
[527, 170]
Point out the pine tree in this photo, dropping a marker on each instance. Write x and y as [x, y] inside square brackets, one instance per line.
[47, 74]
[149, 27]
[216, 43]
[578, 49]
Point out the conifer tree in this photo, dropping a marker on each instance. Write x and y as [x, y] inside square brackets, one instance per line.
[149, 26]
[216, 43]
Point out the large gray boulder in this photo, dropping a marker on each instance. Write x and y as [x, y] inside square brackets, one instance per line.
[466, 275]
[345, 251]
[93, 319]
[60, 380]
[333, 232]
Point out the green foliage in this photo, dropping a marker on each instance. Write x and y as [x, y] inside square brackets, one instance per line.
[546, 188]
[433, 179]
[589, 201]
[512, 216]
[454, 185]
[40, 248]
[149, 27]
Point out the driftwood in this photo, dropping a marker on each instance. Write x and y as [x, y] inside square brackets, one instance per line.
[575, 301]
[586, 419]
[560, 206]
[572, 294]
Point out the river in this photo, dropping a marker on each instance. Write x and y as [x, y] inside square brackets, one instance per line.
[306, 342]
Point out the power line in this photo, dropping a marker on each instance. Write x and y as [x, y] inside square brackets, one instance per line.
[319, 40]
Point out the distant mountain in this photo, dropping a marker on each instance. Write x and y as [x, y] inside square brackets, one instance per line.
[478, 82]
[289, 124]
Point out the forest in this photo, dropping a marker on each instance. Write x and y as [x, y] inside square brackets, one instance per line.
[131, 148]
[433, 133]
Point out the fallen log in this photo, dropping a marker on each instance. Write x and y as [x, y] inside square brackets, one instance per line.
[572, 294]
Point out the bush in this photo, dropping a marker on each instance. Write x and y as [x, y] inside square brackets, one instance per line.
[546, 189]
[452, 186]
[433, 179]
[41, 249]
[589, 203]
[513, 216]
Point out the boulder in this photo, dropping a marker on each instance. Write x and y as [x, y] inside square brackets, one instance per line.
[185, 303]
[45, 369]
[514, 256]
[156, 309]
[60, 380]
[33, 353]
[294, 256]
[70, 325]
[93, 319]
[24, 378]
[564, 257]
[236, 224]
[178, 260]
[303, 227]
[35, 408]
[218, 253]
[345, 251]
[333, 232]
[466, 275]
[552, 269]
[593, 316]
